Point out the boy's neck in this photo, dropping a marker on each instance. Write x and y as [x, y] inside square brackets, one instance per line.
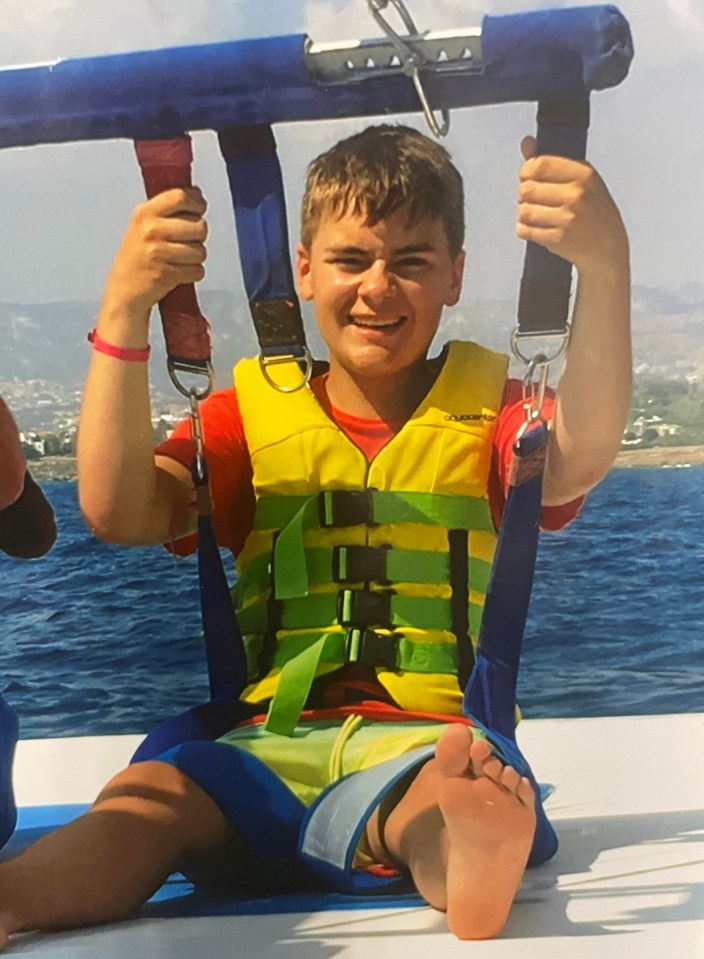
[391, 399]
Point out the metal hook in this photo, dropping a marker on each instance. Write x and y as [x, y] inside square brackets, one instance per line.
[412, 61]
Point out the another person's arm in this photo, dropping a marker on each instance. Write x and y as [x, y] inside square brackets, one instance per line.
[126, 494]
[27, 526]
[565, 206]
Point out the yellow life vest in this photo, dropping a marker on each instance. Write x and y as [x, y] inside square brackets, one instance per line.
[383, 562]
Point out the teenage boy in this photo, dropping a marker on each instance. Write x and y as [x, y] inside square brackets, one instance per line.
[381, 255]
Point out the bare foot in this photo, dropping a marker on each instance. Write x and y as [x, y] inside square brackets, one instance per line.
[464, 829]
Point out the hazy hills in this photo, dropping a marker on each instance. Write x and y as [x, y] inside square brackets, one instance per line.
[48, 341]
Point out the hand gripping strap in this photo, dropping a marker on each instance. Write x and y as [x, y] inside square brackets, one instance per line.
[166, 164]
[543, 306]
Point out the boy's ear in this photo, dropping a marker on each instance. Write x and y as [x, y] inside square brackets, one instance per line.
[455, 288]
[305, 286]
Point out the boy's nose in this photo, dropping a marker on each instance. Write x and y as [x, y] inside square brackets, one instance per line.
[376, 282]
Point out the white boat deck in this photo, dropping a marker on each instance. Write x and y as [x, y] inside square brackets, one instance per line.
[628, 880]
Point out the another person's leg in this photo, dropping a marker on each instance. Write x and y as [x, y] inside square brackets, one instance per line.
[149, 821]
[464, 829]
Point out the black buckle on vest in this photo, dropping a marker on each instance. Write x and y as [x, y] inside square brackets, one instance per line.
[360, 608]
[371, 648]
[359, 564]
[345, 507]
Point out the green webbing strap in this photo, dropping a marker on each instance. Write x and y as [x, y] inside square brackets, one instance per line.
[436, 509]
[291, 577]
[293, 514]
[402, 566]
[294, 685]
[300, 655]
[321, 609]
[411, 656]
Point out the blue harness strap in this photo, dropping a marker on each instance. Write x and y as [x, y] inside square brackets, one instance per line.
[259, 204]
[490, 694]
[9, 733]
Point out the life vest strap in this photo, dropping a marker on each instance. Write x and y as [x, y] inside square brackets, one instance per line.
[299, 656]
[340, 508]
[359, 608]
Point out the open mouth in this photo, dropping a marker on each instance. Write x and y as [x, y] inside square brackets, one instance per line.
[373, 323]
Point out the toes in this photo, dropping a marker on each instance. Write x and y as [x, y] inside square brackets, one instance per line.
[493, 768]
[479, 754]
[525, 793]
[510, 779]
[452, 752]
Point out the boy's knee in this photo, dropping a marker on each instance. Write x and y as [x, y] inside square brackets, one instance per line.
[161, 793]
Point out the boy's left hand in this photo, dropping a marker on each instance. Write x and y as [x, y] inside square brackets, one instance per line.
[564, 205]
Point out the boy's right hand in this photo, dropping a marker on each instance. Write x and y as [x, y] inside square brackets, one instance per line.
[163, 247]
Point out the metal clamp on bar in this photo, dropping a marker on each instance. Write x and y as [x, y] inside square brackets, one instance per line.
[410, 60]
[456, 51]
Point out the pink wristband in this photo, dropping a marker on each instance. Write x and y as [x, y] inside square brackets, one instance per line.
[119, 352]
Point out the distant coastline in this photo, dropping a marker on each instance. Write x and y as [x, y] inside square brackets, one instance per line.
[661, 456]
[63, 468]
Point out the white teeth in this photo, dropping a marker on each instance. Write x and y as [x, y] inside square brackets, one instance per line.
[376, 324]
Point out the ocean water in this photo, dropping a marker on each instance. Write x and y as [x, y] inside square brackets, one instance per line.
[101, 639]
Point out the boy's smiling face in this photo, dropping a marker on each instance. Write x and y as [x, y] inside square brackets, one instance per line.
[379, 290]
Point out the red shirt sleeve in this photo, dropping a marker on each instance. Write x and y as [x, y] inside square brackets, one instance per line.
[511, 418]
[229, 467]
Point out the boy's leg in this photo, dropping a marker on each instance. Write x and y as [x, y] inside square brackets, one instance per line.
[147, 822]
[464, 829]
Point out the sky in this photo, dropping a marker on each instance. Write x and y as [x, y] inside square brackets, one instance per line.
[66, 206]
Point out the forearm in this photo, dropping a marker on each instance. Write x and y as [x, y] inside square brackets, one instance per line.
[594, 392]
[118, 479]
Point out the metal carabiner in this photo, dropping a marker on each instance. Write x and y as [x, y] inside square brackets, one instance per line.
[201, 476]
[411, 61]
[534, 391]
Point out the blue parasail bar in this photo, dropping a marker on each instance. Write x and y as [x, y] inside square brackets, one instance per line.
[559, 54]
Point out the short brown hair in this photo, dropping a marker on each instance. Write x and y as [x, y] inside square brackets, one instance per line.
[379, 171]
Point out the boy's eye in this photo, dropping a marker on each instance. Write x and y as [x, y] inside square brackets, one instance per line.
[411, 264]
[348, 262]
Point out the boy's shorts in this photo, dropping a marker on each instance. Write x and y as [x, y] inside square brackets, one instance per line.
[322, 751]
